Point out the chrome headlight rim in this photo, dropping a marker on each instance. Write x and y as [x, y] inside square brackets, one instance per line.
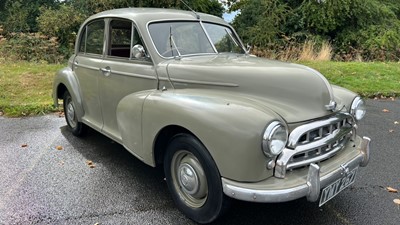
[275, 129]
[358, 108]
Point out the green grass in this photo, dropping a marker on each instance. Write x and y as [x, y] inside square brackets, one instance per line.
[369, 79]
[25, 88]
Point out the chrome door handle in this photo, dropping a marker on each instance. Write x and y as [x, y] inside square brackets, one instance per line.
[106, 71]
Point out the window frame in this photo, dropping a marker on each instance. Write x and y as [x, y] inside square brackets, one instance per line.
[84, 37]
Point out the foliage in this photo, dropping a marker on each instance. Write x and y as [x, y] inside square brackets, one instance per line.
[61, 19]
[62, 23]
[366, 29]
[266, 27]
[356, 29]
[30, 47]
[20, 15]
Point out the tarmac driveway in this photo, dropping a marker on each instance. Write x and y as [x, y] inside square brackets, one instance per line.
[40, 184]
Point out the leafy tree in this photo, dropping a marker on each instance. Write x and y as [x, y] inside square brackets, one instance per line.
[20, 15]
[260, 21]
[62, 23]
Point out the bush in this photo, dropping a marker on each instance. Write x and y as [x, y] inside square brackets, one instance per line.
[33, 47]
[371, 43]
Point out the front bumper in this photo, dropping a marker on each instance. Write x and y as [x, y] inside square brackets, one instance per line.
[307, 183]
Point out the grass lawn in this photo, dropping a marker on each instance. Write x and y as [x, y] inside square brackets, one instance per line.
[25, 88]
[369, 79]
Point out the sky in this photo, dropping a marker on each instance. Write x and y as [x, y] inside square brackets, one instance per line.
[228, 17]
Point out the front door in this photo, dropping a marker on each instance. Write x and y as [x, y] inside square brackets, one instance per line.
[122, 73]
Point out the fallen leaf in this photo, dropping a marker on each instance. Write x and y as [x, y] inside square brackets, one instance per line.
[1, 113]
[391, 131]
[392, 190]
[59, 147]
[90, 164]
[24, 145]
[396, 122]
[61, 114]
[392, 98]
[62, 163]
[396, 201]
[385, 110]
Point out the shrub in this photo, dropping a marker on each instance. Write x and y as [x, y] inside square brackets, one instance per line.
[33, 47]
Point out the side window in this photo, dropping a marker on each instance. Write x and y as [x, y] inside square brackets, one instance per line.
[120, 38]
[92, 39]
[124, 41]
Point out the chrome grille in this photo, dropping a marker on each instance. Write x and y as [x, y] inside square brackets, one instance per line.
[314, 142]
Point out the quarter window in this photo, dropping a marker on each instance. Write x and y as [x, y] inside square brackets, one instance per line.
[92, 39]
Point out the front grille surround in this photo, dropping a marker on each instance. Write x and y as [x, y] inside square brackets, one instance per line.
[315, 142]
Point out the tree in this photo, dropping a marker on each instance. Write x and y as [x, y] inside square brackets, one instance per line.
[260, 21]
[20, 15]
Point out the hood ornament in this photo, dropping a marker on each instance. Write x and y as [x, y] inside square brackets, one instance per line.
[331, 106]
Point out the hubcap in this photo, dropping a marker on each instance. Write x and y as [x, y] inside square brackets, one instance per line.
[189, 179]
[71, 114]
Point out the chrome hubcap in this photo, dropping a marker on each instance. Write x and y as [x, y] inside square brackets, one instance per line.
[71, 114]
[188, 179]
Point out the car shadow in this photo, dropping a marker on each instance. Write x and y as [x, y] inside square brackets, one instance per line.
[114, 157]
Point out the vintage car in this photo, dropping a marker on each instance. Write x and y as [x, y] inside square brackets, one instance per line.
[178, 89]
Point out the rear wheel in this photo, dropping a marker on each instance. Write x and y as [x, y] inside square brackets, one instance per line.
[193, 179]
[77, 128]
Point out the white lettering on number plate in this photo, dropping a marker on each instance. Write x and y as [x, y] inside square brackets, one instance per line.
[333, 189]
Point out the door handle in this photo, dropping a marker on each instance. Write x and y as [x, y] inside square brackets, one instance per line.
[106, 71]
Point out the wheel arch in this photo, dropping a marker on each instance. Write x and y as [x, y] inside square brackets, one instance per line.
[164, 136]
[65, 80]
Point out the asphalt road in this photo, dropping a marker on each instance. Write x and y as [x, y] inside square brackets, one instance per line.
[42, 185]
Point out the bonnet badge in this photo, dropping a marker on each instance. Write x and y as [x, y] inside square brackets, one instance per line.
[331, 106]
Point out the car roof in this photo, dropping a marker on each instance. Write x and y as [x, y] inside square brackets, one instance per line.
[145, 15]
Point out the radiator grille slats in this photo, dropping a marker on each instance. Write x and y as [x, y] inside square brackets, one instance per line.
[314, 143]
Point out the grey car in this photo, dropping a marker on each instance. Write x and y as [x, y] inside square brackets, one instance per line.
[178, 89]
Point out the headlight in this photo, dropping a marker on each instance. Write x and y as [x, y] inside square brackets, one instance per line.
[358, 108]
[274, 139]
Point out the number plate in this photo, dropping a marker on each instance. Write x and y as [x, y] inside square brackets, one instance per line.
[333, 189]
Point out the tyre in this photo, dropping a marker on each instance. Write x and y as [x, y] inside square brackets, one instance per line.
[77, 128]
[193, 179]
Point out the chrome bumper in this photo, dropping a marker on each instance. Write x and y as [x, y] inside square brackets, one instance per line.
[310, 188]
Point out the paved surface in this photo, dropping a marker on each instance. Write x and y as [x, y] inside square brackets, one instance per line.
[42, 185]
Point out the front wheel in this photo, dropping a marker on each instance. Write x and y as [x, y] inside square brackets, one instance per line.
[77, 128]
[193, 179]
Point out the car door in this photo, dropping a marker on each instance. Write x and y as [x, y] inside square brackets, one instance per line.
[122, 72]
[86, 67]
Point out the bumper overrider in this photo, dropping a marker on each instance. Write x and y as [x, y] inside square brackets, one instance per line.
[307, 183]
